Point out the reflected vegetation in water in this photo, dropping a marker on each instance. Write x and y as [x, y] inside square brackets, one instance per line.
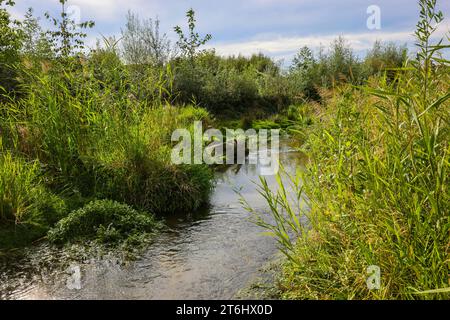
[210, 254]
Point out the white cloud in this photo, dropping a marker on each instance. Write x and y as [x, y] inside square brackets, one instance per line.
[280, 45]
[276, 27]
[99, 10]
[110, 10]
[284, 47]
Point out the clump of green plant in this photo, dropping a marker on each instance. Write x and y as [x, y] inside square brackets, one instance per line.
[188, 114]
[299, 113]
[27, 207]
[23, 196]
[376, 185]
[295, 118]
[19, 182]
[105, 221]
[265, 124]
[136, 168]
[156, 187]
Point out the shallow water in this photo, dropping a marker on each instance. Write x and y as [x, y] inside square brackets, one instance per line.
[208, 255]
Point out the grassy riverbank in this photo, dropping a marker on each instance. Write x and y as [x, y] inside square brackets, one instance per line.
[376, 186]
[58, 159]
[80, 128]
[74, 130]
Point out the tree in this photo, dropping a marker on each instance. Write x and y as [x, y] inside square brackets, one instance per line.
[10, 44]
[304, 74]
[303, 60]
[143, 43]
[190, 44]
[30, 28]
[68, 36]
[342, 62]
[384, 57]
[35, 42]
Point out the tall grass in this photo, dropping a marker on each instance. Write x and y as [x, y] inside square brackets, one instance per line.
[377, 187]
[27, 208]
[79, 133]
[19, 182]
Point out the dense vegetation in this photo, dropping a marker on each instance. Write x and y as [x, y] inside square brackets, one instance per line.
[79, 125]
[376, 186]
[103, 220]
[74, 129]
[85, 145]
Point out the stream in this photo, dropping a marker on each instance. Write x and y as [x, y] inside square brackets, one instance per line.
[211, 254]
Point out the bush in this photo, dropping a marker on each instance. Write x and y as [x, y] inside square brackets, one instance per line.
[155, 187]
[102, 220]
[339, 65]
[131, 163]
[230, 86]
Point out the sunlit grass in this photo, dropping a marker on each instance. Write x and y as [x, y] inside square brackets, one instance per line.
[377, 183]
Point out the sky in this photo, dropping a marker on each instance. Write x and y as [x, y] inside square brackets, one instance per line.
[277, 28]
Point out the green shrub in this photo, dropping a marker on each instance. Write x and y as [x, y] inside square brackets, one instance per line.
[131, 163]
[155, 187]
[97, 141]
[300, 115]
[102, 220]
[188, 114]
[230, 86]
